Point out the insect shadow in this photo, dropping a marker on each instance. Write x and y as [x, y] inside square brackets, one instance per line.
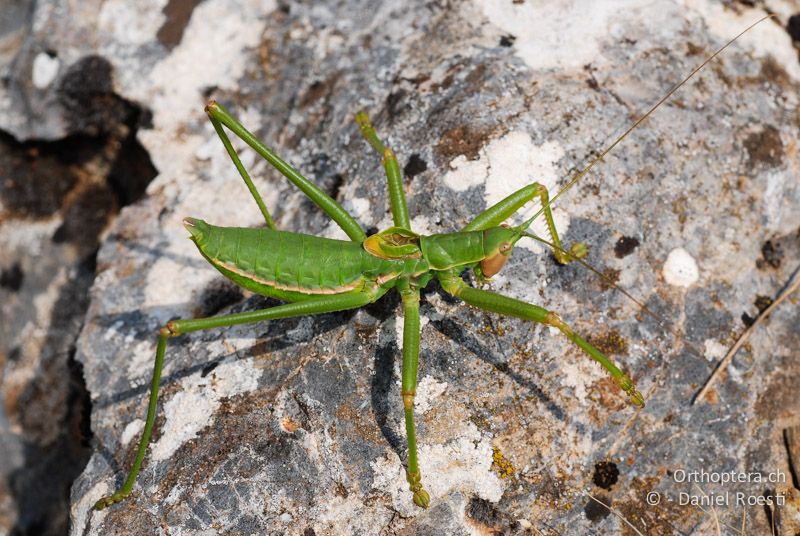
[386, 355]
[273, 337]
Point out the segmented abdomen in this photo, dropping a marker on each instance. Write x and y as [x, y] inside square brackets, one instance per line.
[286, 261]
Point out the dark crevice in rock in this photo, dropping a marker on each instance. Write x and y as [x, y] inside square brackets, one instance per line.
[177, 13]
[415, 166]
[793, 27]
[87, 98]
[791, 442]
[12, 277]
[132, 171]
[41, 178]
[81, 180]
[605, 474]
[37, 175]
[596, 510]
[53, 412]
[336, 186]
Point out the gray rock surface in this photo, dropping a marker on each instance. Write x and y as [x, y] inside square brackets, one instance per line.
[57, 197]
[296, 426]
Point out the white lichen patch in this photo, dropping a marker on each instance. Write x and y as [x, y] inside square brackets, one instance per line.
[170, 287]
[45, 69]
[463, 464]
[174, 495]
[192, 409]
[428, 390]
[516, 162]
[131, 431]
[465, 174]
[216, 37]
[767, 39]
[187, 413]
[82, 509]
[421, 224]
[543, 28]
[332, 230]
[578, 374]
[140, 359]
[781, 191]
[349, 515]
[358, 207]
[127, 24]
[713, 350]
[504, 166]
[680, 269]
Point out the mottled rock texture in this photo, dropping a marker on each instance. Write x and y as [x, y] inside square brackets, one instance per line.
[59, 190]
[296, 426]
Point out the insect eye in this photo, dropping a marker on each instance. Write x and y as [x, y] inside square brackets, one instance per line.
[505, 247]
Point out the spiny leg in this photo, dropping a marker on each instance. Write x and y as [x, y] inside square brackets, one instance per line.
[498, 303]
[501, 211]
[397, 197]
[409, 387]
[315, 305]
[220, 116]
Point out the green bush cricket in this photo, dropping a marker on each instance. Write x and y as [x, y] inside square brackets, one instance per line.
[317, 275]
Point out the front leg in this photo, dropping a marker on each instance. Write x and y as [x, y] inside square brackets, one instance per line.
[501, 211]
[497, 303]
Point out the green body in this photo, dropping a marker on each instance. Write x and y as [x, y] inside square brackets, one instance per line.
[295, 266]
[320, 275]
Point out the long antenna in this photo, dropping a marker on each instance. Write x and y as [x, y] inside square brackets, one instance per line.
[578, 176]
[600, 274]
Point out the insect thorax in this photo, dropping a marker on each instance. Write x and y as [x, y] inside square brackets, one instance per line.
[450, 250]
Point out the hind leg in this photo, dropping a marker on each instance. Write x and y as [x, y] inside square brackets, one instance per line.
[316, 305]
[219, 116]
